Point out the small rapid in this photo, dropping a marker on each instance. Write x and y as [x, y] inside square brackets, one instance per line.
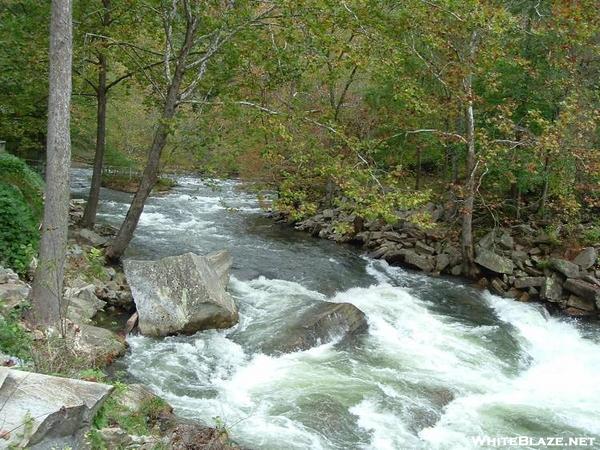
[441, 363]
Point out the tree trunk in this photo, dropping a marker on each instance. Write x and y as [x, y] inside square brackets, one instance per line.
[91, 207]
[544, 199]
[467, 214]
[418, 175]
[149, 177]
[46, 297]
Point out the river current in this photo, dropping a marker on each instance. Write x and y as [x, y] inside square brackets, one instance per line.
[441, 364]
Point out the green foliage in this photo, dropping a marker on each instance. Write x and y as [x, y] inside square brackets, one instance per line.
[113, 413]
[24, 79]
[19, 235]
[17, 173]
[14, 340]
[95, 265]
[591, 236]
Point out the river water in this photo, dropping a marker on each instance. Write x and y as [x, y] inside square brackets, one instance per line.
[441, 364]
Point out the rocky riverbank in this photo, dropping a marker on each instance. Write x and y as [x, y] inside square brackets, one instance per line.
[83, 408]
[519, 262]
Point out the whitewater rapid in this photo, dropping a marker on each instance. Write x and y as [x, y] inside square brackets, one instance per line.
[441, 362]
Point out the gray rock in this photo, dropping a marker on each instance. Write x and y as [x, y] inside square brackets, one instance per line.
[47, 412]
[321, 324]
[442, 262]
[567, 268]
[179, 295]
[221, 262]
[551, 289]
[506, 241]
[519, 255]
[7, 275]
[527, 282]
[456, 270]
[424, 263]
[580, 303]
[115, 437]
[82, 303]
[394, 236]
[586, 258]
[98, 345]
[494, 262]
[498, 286]
[487, 242]
[92, 237]
[13, 293]
[586, 291]
[423, 248]
[328, 214]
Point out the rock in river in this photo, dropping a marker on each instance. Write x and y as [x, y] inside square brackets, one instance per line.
[321, 324]
[180, 295]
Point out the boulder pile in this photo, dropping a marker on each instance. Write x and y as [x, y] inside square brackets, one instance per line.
[519, 262]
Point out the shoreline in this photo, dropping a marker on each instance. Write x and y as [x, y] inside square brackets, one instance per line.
[521, 262]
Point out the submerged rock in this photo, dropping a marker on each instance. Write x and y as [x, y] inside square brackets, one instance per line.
[321, 324]
[42, 412]
[180, 295]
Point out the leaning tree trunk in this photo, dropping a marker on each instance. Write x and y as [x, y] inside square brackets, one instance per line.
[150, 175]
[91, 207]
[48, 283]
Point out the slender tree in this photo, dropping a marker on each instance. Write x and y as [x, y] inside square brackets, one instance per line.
[48, 283]
[188, 50]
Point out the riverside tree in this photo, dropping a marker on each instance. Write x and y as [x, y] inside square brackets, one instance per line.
[46, 297]
[195, 35]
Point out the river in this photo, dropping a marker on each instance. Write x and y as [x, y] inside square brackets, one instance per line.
[441, 364]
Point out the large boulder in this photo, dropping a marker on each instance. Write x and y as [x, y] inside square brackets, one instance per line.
[321, 324]
[41, 412]
[179, 295]
[494, 262]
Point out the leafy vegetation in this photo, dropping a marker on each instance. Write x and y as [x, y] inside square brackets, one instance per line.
[19, 235]
[14, 339]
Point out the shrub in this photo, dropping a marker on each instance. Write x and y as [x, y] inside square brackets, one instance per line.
[14, 339]
[19, 234]
[15, 172]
